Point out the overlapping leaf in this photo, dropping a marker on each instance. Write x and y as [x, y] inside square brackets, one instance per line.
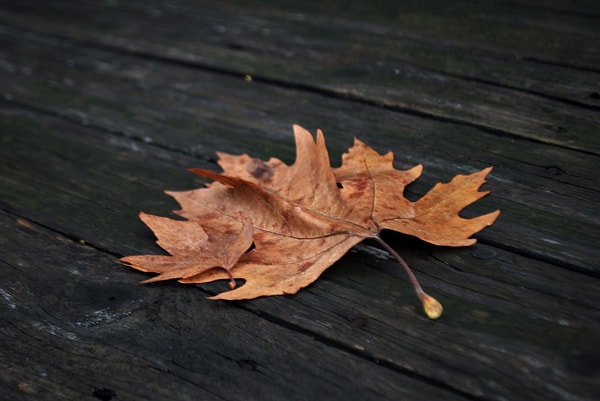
[300, 218]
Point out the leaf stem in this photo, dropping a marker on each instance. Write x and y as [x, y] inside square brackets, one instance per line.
[432, 307]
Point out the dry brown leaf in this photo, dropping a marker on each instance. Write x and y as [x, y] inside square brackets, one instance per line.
[302, 218]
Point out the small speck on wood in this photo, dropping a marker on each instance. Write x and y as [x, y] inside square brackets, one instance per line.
[554, 170]
[483, 253]
[358, 322]
[247, 364]
[104, 394]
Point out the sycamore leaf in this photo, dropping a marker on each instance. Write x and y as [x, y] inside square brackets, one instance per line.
[302, 218]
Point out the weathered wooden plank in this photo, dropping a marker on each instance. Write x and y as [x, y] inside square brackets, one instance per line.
[353, 308]
[90, 137]
[78, 329]
[537, 185]
[445, 63]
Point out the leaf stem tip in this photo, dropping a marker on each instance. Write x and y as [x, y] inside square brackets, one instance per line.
[432, 307]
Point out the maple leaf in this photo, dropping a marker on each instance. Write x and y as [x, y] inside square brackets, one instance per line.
[302, 218]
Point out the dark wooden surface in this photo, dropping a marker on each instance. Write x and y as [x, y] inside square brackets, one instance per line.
[104, 104]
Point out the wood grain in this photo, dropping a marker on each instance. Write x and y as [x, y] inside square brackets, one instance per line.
[104, 105]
